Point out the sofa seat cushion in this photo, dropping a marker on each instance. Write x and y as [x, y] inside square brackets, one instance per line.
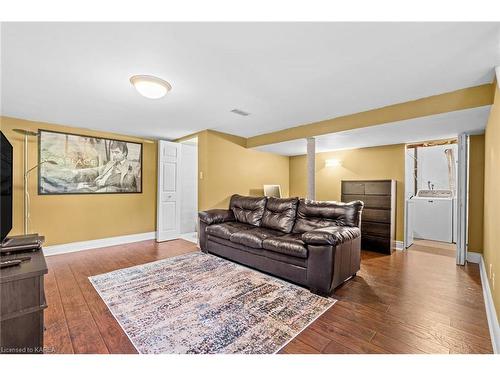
[225, 230]
[253, 237]
[289, 244]
[216, 243]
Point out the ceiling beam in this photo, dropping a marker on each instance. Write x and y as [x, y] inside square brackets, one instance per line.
[470, 97]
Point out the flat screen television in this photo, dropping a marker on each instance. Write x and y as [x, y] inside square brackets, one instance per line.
[5, 187]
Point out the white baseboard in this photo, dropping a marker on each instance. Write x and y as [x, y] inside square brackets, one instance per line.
[191, 237]
[491, 313]
[96, 244]
[474, 257]
[399, 245]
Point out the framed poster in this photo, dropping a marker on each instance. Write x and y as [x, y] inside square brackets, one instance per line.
[78, 164]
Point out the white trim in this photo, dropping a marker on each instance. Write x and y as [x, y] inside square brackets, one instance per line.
[462, 198]
[399, 245]
[474, 257]
[191, 237]
[491, 313]
[96, 244]
[497, 71]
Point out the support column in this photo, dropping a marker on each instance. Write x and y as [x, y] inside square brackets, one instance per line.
[311, 168]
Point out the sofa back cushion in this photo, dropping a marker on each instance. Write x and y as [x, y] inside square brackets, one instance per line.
[280, 214]
[248, 209]
[319, 214]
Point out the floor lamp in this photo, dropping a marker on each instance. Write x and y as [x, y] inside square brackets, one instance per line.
[26, 134]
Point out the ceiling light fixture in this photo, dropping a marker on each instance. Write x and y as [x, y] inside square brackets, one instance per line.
[150, 87]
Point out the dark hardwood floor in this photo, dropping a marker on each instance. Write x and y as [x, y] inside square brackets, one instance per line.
[408, 302]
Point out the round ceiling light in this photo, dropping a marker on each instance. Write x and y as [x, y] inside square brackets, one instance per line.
[150, 87]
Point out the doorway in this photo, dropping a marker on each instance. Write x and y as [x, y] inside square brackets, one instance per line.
[189, 190]
[431, 196]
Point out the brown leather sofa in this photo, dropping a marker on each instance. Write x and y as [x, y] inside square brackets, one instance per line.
[316, 244]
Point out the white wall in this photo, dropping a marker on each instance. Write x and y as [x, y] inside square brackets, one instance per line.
[189, 190]
[433, 166]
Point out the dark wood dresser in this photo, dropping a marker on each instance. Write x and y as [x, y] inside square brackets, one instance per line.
[378, 221]
[22, 303]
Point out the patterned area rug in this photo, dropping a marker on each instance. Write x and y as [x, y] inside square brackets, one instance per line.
[199, 303]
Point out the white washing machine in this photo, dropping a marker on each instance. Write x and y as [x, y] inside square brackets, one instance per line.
[432, 215]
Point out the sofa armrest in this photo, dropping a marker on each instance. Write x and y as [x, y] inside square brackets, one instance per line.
[216, 216]
[330, 235]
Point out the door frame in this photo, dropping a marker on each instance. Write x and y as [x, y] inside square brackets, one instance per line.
[462, 197]
[405, 205]
[462, 200]
[192, 142]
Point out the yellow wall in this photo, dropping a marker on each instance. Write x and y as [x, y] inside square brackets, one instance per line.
[373, 163]
[228, 168]
[492, 198]
[71, 218]
[470, 97]
[476, 193]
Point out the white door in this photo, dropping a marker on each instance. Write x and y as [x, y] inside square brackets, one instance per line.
[462, 197]
[168, 210]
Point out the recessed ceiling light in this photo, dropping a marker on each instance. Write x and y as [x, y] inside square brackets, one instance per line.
[150, 87]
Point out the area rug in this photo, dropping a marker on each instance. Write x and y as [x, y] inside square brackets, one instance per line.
[200, 303]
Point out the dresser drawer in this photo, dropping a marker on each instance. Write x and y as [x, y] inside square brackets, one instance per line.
[370, 201]
[378, 188]
[352, 187]
[380, 216]
[377, 229]
[374, 243]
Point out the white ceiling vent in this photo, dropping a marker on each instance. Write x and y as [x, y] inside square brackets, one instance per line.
[240, 112]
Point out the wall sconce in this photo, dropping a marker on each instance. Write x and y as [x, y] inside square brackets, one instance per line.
[333, 163]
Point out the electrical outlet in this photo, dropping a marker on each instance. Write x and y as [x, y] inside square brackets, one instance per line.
[489, 272]
[201, 178]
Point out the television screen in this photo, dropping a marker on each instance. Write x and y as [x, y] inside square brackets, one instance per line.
[5, 187]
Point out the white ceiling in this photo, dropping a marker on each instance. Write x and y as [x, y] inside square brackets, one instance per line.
[284, 74]
[442, 126]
